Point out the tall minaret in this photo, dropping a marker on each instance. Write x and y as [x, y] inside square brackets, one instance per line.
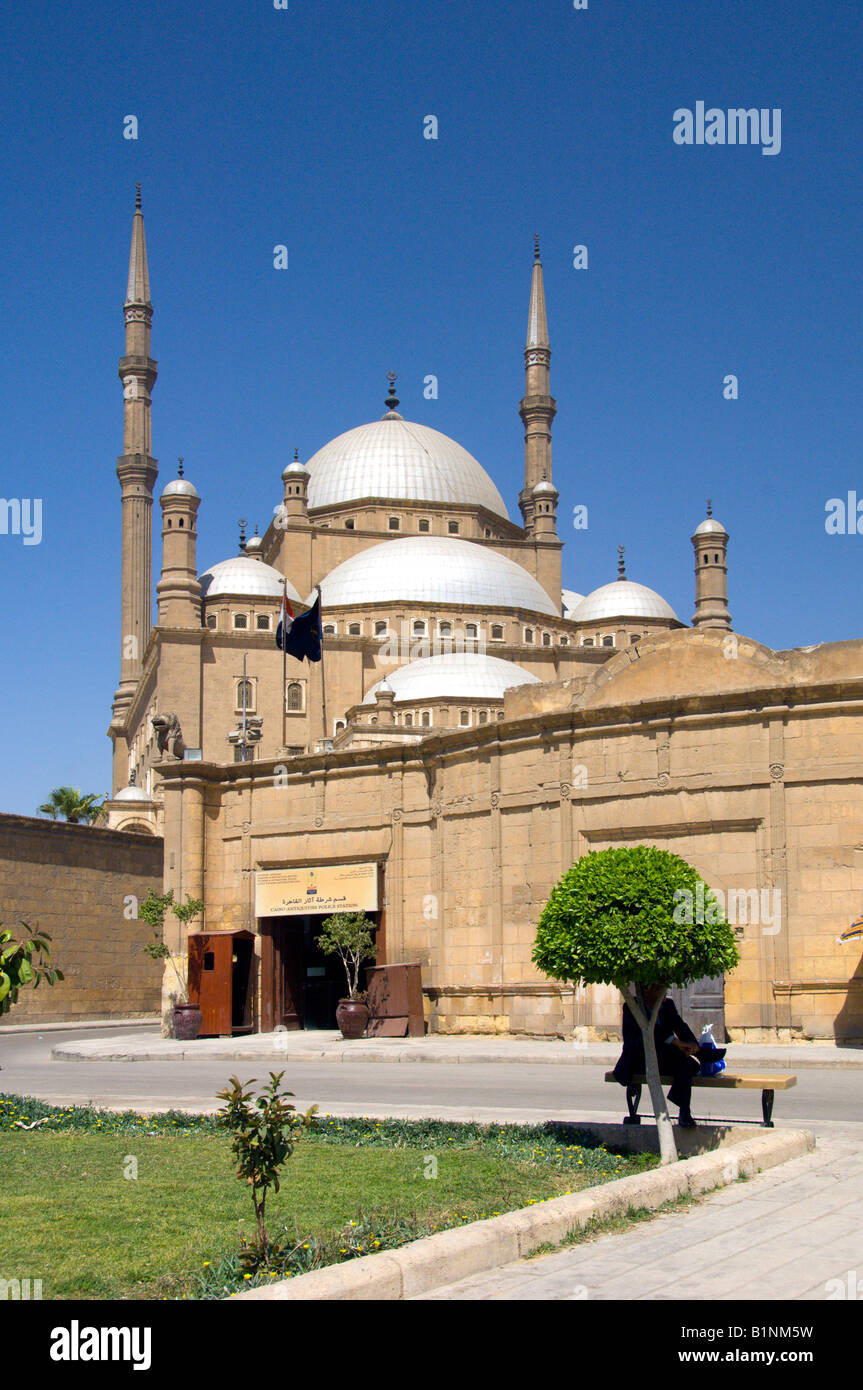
[537, 408]
[710, 543]
[137, 472]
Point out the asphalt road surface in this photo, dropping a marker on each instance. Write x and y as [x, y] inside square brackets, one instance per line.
[828, 1101]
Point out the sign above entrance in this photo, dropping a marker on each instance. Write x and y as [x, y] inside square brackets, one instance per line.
[325, 888]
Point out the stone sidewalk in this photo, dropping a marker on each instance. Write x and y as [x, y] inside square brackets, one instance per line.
[780, 1235]
[436, 1047]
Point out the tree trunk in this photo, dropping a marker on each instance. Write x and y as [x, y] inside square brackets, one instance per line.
[664, 1128]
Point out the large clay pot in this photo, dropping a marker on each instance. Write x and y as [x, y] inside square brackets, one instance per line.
[187, 1021]
[352, 1016]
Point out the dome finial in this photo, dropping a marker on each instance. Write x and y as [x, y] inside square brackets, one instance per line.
[242, 525]
[621, 568]
[179, 467]
[392, 400]
[710, 506]
[536, 246]
[296, 455]
[137, 197]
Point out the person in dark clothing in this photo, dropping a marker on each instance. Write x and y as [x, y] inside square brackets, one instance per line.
[676, 1049]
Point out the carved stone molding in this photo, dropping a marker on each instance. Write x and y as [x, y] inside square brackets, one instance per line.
[663, 779]
[565, 790]
[319, 820]
[396, 814]
[777, 771]
[495, 799]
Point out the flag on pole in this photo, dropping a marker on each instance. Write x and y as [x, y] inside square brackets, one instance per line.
[301, 637]
[286, 622]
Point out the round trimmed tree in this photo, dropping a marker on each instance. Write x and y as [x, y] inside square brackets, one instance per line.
[635, 916]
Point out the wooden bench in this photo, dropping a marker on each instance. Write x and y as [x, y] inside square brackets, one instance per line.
[768, 1083]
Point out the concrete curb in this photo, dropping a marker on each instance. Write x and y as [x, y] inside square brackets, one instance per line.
[136, 1021]
[451, 1053]
[483, 1245]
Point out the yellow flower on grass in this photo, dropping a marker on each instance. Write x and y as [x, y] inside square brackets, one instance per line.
[206, 1264]
[247, 1276]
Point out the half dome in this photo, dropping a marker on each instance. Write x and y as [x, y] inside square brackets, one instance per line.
[622, 599]
[244, 576]
[430, 570]
[454, 675]
[396, 459]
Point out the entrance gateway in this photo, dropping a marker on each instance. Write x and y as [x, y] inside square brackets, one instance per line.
[300, 986]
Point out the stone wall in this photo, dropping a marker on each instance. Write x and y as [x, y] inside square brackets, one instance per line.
[748, 766]
[76, 882]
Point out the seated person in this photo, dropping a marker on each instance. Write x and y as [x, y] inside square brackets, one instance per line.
[676, 1049]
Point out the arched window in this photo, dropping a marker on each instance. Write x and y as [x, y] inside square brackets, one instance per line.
[426, 719]
[409, 719]
[470, 631]
[245, 695]
[546, 639]
[419, 628]
[464, 717]
[528, 634]
[497, 632]
[295, 698]
[354, 630]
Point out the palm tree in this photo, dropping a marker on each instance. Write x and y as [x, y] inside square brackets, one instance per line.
[68, 803]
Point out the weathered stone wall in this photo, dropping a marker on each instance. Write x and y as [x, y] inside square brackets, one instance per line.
[75, 882]
[748, 767]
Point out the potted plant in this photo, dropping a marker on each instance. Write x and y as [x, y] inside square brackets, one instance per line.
[186, 1016]
[349, 935]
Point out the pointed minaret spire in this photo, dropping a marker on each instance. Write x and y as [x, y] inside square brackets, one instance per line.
[537, 408]
[137, 472]
[138, 287]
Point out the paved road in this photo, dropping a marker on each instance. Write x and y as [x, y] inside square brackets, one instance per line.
[827, 1101]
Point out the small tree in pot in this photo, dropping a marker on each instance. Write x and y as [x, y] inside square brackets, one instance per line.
[349, 935]
[186, 1016]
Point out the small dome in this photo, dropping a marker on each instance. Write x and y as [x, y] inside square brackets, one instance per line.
[545, 487]
[244, 575]
[400, 461]
[455, 675]
[711, 527]
[131, 793]
[570, 601]
[295, 469]
[623, 599]
[254, 544]
[180, 487]
[434, 569]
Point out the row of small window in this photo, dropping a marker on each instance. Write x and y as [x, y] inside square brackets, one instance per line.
[240, 621]
[394, 523]
[420, 629]
[608, 640]
[295, 697]
[424, 720]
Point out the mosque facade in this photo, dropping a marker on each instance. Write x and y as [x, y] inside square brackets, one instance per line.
[472, 729]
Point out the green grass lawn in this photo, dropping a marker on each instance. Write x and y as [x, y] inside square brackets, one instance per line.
[72, 1219]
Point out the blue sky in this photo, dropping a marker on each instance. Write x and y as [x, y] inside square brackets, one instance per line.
[260, 126]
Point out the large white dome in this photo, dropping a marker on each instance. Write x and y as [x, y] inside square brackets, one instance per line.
[457, 675]
[397, 459]
[622, 599]
[434, 569]
[243, 575]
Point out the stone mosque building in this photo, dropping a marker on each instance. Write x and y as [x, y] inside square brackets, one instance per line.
[472, 729]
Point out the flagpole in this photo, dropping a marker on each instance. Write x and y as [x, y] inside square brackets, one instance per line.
[284, 667]
[323, 681]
